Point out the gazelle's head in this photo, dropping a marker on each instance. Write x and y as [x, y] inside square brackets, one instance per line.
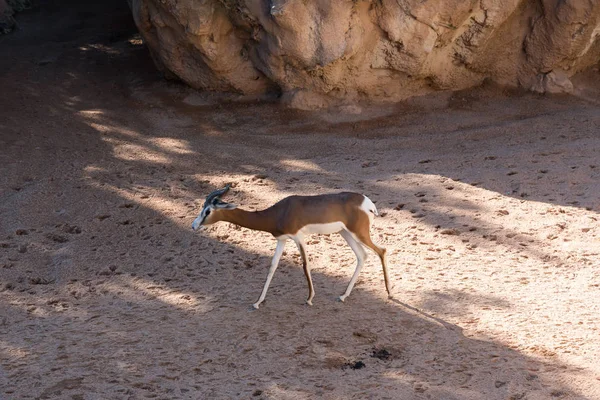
[211, 208]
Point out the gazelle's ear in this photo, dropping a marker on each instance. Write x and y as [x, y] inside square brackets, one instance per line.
[223, 205]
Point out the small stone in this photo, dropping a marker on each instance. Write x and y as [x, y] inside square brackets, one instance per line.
[531, 377]
[450, 232]
[72, 229]
[41, 281]
[354, 365]
[557, 82]
[57, 238]
[358, 365]
[369, 164]
[46, 61]
[420, 388]
[305, 100]
[381, 354]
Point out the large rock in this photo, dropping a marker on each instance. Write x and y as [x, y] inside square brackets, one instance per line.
[7, 10]
[315, 52]
[7, 22]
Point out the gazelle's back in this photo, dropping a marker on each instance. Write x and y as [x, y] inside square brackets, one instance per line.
[295, 212]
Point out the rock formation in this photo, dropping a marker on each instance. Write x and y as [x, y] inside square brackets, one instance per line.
[316, 51]
[7, 21]
[7, 10]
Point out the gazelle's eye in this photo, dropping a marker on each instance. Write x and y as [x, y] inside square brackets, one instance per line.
[207, 212]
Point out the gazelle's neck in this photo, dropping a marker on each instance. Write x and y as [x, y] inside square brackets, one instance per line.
[257, 220]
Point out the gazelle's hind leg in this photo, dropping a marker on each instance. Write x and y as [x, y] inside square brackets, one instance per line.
[361, 256]
[360, 228]
[306, 267]
[365, 238]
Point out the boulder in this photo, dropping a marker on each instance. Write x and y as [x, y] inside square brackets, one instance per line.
[315, 53]
[7, 22]
[553, 82]
[8, 8]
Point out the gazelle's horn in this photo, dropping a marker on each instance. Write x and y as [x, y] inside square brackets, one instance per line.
[217, 194]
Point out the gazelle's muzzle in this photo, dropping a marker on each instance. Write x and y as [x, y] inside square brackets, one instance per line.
[197, 224]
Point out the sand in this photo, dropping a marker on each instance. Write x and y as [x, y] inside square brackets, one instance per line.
[489, 203]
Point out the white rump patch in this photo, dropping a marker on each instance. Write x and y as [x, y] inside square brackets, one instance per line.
[368, 207]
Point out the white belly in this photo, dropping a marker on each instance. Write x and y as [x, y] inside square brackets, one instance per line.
[323, 229]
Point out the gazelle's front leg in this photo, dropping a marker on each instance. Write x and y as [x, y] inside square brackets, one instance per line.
[274, 264]
[306, 266]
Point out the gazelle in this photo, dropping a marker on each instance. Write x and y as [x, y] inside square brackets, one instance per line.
[295, 217]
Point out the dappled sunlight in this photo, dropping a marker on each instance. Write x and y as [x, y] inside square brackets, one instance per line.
[436, 191]
[172, 145]
[158, 202]
[453, 302]
[282, 392]
[94, 169]
[141, 290]
[134, 152]
[73, 101]
[293, 165]
[101, 48]
[130, 145]
[109, 129]
[93, 114]
[43, 306]
[211, 130]
[458, 209]
[454, 230]
[11, 352]
[456, 246]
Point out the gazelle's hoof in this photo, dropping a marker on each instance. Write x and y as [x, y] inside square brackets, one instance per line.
[390, 293]
[255, 306]
[309, 302]
[342, 298]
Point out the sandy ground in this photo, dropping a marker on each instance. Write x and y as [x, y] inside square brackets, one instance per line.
[489, 205]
